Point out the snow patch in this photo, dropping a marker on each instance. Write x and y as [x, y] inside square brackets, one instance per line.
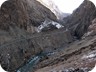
[47, 23]
[90, 55]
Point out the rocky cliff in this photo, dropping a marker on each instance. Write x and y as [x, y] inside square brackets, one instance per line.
[91, 29]
[81, 18]
[16, 45]
[23, 13]
[16, 51]
[52, 6]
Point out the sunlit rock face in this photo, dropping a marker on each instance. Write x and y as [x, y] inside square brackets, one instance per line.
[52, 6]
[81, 18]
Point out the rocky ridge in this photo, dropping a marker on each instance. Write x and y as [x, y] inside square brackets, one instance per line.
[79, 21]
[23, 14]
[19, 46]
[16, 17]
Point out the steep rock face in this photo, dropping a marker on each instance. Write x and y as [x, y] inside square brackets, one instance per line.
[52, 6]
[91, 29]
[81, 18]
[13, 13]
[23, 13]
[39, 12]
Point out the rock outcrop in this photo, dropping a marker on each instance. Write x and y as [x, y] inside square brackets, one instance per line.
[54, 8]
[81, 18]
[23, 13]
[91, 29]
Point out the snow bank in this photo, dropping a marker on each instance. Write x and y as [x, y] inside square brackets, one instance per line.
[48, 22]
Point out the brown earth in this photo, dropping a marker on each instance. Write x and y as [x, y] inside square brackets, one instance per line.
[71, 57]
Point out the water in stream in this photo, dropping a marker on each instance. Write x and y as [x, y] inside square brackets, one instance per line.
[32, 62]
[29, 66]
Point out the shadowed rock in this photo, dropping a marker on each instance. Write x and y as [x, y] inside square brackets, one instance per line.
[81, 18]
[23, 13]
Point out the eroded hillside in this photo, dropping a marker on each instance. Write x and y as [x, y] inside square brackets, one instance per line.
[55, 47]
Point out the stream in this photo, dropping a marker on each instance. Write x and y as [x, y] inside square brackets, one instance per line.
[32, 62]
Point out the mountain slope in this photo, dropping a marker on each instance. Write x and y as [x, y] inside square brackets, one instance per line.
[81, 18]
[51, 5]
[22, 13]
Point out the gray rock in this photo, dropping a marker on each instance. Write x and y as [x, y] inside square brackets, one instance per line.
[79, 21]
[23, 13]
